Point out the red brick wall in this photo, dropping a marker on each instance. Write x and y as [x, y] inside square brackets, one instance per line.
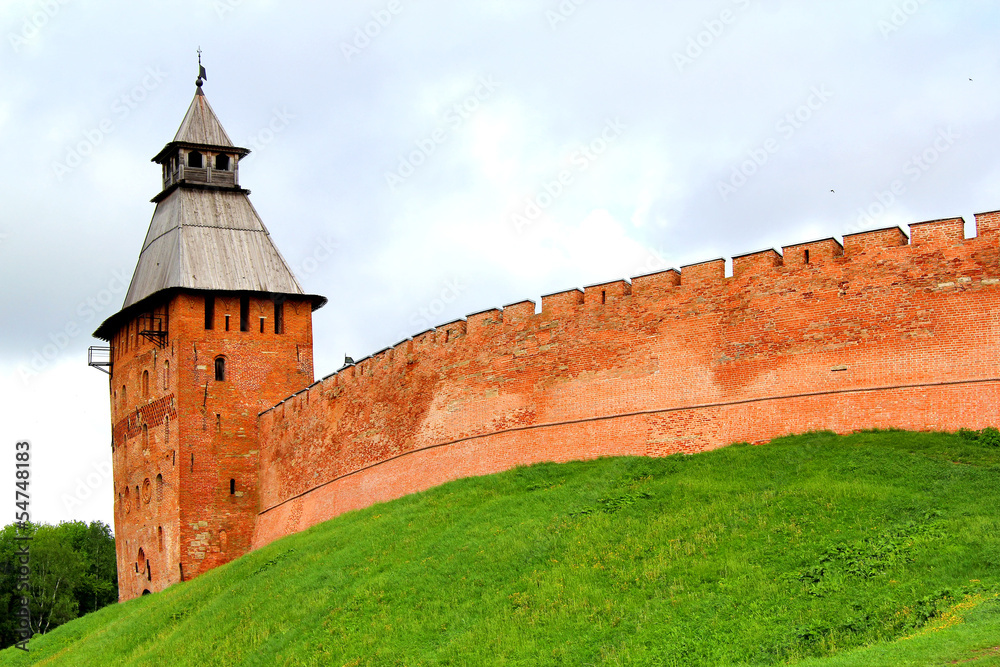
[877, 333]
[212, 435]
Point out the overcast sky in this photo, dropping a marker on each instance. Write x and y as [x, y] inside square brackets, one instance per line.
[419, 161]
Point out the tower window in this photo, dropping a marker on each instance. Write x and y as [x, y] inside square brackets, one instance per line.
[222, 161]
[245, 313]
[209, 312]
[262, 325]
[232, 486]
[159, 536]
[145, 436]
[227, 322]
[194, 160]
[279, 317]
[166, 374]
[807, 256]
[145, 384]
[220, 369]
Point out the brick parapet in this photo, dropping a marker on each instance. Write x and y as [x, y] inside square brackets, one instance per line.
[878, 314]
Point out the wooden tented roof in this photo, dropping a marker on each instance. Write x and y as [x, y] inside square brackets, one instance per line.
[204, 236]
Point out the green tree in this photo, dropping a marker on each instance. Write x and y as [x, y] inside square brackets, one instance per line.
[9, 597]
[99, 585]
[56, 570]
[73, 572]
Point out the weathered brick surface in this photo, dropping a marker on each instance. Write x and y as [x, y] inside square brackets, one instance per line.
[877, 333]
[195, 433]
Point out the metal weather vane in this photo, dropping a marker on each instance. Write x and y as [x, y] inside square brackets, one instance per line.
[202, 76]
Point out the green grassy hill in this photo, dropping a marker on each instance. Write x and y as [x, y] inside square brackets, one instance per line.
[873, 549]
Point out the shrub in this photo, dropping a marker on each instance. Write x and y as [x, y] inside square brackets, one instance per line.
[990, 437]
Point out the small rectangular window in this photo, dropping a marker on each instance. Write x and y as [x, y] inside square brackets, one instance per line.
[209, 312]
[262, 325]
[279, 317]
[227, 322]
[245, 313]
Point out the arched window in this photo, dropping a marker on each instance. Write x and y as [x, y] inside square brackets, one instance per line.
[220, 369]
[140, 561]
[222, 161]
[145, 384]
[194, 160]
[124, 399]
[159, 488]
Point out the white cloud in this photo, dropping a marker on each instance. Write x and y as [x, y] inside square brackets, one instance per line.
[650, 199]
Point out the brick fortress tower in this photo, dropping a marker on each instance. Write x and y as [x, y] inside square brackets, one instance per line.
[214, 329]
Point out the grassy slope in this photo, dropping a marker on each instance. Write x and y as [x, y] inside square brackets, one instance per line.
[808, 547]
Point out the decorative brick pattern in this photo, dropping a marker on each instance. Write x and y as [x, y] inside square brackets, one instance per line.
[194, 434]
